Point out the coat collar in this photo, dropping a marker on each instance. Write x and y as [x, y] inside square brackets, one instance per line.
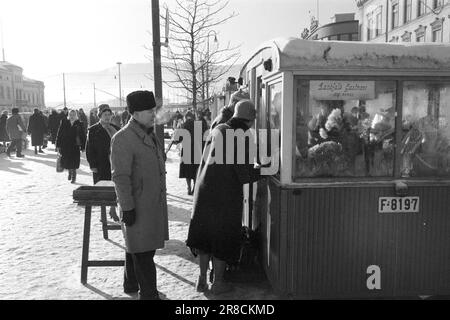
[149, 140]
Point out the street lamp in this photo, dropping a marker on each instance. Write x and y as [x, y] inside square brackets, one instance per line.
[207, 64]
[120, 85]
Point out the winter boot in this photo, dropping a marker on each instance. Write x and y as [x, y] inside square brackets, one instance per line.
[74, 175]
[40, 150]
[70, 175]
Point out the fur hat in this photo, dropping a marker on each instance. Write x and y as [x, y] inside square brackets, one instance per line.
[245, 109]
[140, 101]
[102, 108]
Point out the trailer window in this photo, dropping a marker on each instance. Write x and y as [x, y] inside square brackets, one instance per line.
[345, 128]
[425, 148]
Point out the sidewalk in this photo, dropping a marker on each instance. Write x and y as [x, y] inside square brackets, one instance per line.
[41, 238]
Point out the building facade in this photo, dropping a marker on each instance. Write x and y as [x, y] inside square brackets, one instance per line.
[343, 27]
[16, 90]
[404, 20]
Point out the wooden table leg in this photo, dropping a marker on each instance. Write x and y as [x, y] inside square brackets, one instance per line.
[104, 223]
[86, 238]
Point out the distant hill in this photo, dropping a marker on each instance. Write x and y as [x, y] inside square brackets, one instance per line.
[135, 76]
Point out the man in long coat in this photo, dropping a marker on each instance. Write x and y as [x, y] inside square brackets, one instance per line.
[54, 121]
[226, 113]
[16, 131]
[215, 229]
[138, 172]
[37, 128]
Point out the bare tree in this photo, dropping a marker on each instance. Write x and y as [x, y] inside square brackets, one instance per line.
[193, 57]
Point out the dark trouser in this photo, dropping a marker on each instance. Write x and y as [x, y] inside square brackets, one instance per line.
[15, 143]
[140, 272]
[101, 176]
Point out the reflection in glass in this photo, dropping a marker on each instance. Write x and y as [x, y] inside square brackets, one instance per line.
[425, 145]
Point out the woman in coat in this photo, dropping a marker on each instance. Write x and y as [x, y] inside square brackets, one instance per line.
[37, 128]
[188, 169]
[3, 133]
[53, 125]
[69, 141]
[215, 229]
[98, 146]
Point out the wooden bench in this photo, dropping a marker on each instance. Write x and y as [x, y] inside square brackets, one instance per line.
[101, 195]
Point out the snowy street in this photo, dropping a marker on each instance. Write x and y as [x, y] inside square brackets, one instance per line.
[41, 233]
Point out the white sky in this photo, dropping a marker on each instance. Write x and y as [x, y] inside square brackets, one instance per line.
[48, 37]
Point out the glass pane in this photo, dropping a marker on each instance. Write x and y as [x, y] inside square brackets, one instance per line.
[345, 128]
[275, 105]
[425, 145]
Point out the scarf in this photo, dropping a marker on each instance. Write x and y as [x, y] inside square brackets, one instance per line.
[109, 128]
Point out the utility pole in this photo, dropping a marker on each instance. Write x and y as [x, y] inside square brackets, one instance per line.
[64, 89]
[157, 73]
[95, 98]
[120, 85]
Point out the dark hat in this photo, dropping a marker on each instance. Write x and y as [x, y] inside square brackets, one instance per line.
[245, 109]
[140, 101]
[102, 108]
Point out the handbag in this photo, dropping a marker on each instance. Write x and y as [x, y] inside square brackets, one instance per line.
[59, 167]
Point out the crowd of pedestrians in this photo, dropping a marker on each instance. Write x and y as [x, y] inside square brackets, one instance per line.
[124, 148]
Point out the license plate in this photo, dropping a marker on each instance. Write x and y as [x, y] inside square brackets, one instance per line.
[398, 205]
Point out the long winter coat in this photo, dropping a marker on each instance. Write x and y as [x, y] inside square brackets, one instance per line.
[218, 198]
[189, 170]
[12, 126]
[98, 150]
[37, 128]
[66, 140]
[138, 172]
[53, 125]
[84, 120]
[3, 133]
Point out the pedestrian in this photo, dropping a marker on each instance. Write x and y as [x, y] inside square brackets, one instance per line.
[138, 172]
[125, 117]
[53, 125]
[215, 228]
[93, 119]
[69, 141]
[116, 119]
[3, 133]
[84, 120]
[227, 112]
[45, 116]
[37, 130]
[17, 132]
[188, 169]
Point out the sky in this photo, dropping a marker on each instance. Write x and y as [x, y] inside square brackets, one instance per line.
[49, 37]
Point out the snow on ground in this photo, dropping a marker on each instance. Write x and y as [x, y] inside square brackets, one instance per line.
[41, 233]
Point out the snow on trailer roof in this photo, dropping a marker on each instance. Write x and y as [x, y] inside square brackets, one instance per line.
[299, 54]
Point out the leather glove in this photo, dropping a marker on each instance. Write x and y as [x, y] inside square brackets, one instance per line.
[129, 217]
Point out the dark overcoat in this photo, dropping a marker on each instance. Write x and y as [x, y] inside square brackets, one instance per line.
[15, 127]
[188, 169]
[53, 125]
[70, 148]
[139, 175]
[37, 128]
[98, 150]
[3, 133]
[216, 221]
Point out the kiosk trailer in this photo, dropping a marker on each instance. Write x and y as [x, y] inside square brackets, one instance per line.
[360, 205]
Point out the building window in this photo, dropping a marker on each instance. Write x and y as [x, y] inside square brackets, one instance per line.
[438, 3]
[333, 38]
[2, 93]
[421, 8]
[8, 93]
[379, 22]
[370, 27]
[420, 33]
[408, 11]
[345, 37]
[420, 38]
[395, 15]
[436, 30]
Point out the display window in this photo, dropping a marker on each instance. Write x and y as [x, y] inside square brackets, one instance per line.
[344, 128]
[425, 148]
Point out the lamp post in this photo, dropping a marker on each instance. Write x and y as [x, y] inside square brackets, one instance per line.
[207, 63]
[120, 85]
